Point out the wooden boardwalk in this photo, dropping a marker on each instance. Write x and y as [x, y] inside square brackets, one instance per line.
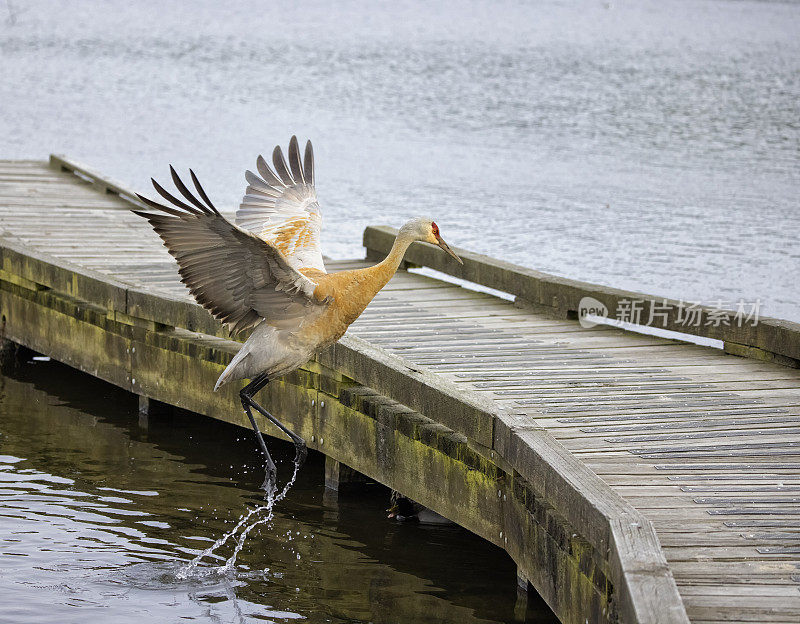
[703, 444]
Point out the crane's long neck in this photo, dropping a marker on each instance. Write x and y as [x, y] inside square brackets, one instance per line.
[351, 292]
[386, 268]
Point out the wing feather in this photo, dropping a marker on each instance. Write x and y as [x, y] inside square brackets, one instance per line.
[308, 165]
[267, 174]
[184, 191]
[202, 193]
[174, 200]
[280, 166]
[294, 161]
[260, 185]
[281, 206]
[239, 277]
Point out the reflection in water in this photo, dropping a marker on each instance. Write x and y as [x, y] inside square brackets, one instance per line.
[98, 518]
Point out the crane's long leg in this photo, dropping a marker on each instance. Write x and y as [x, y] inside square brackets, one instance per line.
[301, 450]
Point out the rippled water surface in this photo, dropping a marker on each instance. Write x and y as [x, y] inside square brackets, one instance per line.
[97, 516]
[646, 144]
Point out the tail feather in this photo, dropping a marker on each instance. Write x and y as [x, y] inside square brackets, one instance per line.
[230, 371]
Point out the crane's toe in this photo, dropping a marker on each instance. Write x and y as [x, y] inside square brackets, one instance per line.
[300, 453]
[270, 485]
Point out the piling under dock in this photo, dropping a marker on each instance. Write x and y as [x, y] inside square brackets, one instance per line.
[632, 478]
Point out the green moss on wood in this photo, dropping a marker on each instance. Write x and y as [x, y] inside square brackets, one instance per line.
[353, 424]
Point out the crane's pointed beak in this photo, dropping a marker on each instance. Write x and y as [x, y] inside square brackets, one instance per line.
[446, 247]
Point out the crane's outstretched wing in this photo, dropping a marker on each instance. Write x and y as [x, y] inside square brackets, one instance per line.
[234, 274]
[281, 206]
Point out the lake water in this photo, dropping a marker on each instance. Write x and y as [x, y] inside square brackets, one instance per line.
[648, 145]
[96, 513]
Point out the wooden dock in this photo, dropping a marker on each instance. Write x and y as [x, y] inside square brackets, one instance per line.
[632, 478]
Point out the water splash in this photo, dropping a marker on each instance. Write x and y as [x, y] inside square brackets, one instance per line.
[247, 522]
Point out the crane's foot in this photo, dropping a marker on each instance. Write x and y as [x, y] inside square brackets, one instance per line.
[300, 449]
[300, 452]
[270, 485]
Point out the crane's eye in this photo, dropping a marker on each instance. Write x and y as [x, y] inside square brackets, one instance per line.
[435, 228]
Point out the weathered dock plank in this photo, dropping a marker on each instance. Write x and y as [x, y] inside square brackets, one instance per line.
[574, 449]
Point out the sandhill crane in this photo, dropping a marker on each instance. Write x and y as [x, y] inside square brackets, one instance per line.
[266, 273]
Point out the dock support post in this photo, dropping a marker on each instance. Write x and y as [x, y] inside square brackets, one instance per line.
[338, 474]
[521, 606]
[8, 349]
[150, 407]
[144, 412]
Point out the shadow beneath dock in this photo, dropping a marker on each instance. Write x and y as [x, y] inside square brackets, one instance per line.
[341, 554]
